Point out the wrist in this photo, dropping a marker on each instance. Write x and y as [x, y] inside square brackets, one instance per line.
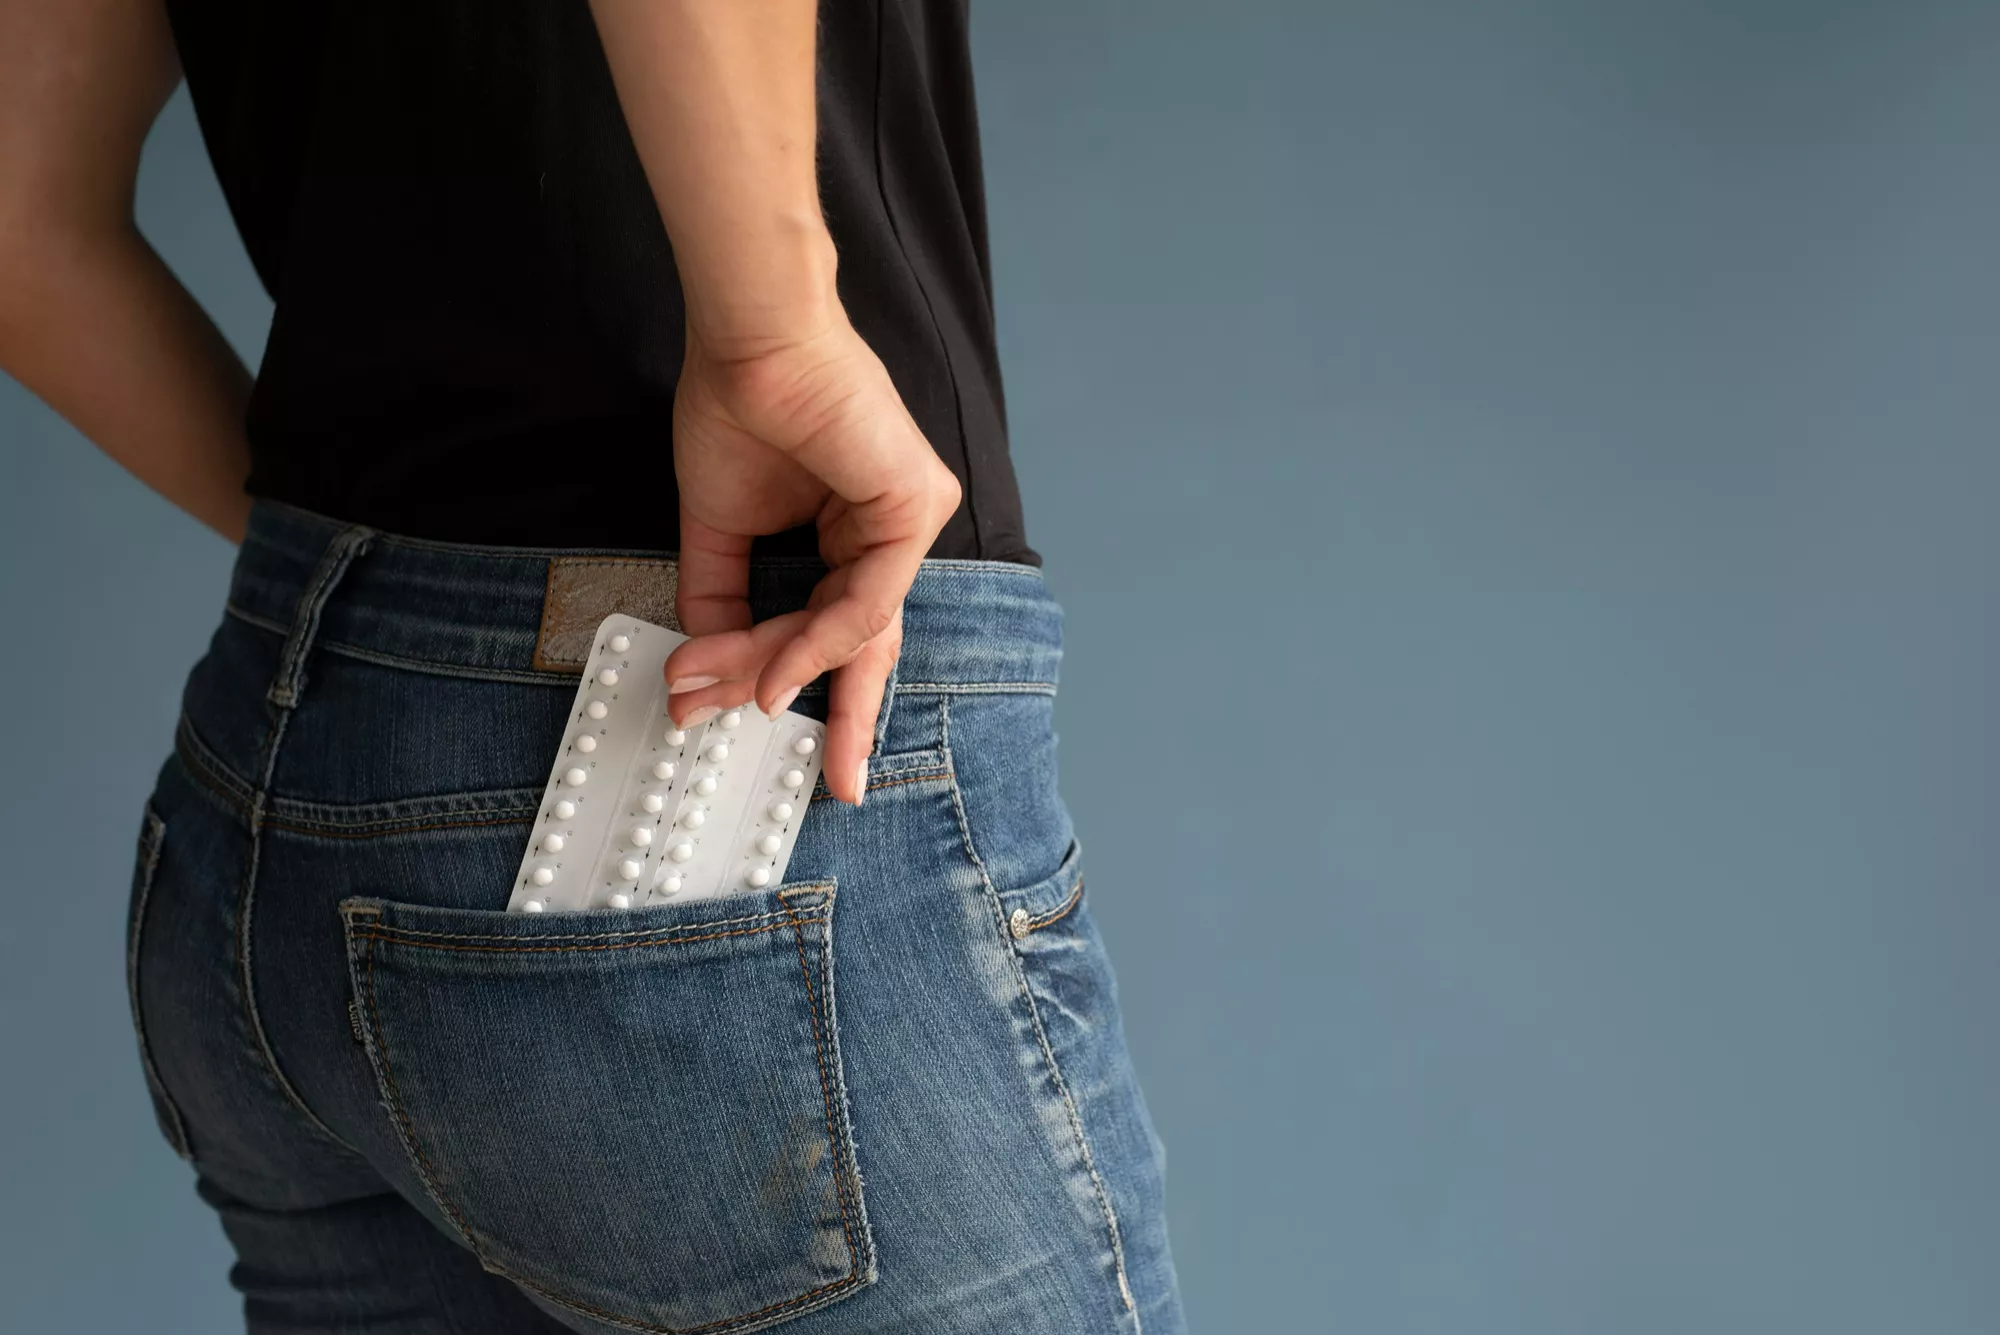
[771, 284]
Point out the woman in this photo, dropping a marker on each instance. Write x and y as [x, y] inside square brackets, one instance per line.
[515, 248]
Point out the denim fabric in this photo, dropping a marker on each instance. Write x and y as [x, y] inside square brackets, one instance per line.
[890, 1095]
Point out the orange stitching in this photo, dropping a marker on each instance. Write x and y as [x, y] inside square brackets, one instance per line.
[1056, 915]
[538, 660]
[914, 778]
[403, 1116]
[198, 769]
[643, 563]
[388, 934]
[927, 776]
[335, 832]
[652, 933]
[195, 755]
[845, 1281]
[826, 1090]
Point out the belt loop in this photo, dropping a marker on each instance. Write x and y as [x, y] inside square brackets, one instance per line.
[888, 699]
[347, 544]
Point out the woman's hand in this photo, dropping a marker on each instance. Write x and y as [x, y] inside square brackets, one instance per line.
[807, 429]
[783, 414]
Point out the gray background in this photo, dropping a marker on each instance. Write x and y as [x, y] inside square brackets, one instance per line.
[1521, 477]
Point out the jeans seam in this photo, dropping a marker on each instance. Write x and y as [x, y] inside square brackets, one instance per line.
[214, 774]
[663, 935]
[928, 776]
[391, 938]
[246, 898]
[405, 1132]
[152, 838]
[979, 687]
[429, 667]
[1027, 997]
[280, 700]
[473, 820]
[842, 1163]
[210, 770]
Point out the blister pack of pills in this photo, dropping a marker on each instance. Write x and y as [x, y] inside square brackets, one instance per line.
[641, 812]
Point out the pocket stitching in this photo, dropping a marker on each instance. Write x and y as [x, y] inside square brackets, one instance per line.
[380, 935]
[405, 1131]
[1068, 906]
[152, 838]
[833, 1140]
[356, 909]
[843, 1162]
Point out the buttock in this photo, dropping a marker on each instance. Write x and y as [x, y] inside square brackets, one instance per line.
[889, 1094]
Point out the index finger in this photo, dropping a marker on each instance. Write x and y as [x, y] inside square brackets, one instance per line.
[869, 596]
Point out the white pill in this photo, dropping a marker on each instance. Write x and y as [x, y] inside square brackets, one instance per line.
[805, 746]
[733, 719]
[705, 784]
[574, 778]
[621, 901]
[718, 753]
[760, 876]
[681, 852]
[620, 643]
[532, 906]
[565, 809]
[694, 818]
[652, 802]
[792, 778]
[769, 844]
[597, 709]
[672, 885]
[641, 836]
[552, 843]
[677, 736]
[542, 876]
[781, 811]
[663, 769]
[586, 743]
[608, 677]
[628, 870]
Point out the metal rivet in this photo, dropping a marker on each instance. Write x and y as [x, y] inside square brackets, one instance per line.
[1017, 923]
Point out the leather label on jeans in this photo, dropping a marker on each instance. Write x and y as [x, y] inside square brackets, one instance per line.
[583, 590]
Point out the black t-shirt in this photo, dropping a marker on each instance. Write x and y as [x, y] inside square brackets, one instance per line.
[478, 327]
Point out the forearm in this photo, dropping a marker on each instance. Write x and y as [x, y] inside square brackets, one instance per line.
[720, 98]
[782, 414]
[90, 318]
[97, 326]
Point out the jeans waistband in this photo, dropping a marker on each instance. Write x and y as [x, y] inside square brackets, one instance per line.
[466, 610]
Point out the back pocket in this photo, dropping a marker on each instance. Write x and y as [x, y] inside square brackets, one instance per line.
[638, 1115]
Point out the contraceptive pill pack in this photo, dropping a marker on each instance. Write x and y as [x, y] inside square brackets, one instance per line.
[639, 812]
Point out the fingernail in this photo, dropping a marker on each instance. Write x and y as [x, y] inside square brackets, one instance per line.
[685, 684]
[861, 784]
[782, 703]
[700, 715]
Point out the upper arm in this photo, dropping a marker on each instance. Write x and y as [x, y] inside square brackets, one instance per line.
[81, 82]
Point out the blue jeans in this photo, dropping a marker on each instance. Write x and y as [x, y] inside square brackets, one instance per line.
[416, 1112]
